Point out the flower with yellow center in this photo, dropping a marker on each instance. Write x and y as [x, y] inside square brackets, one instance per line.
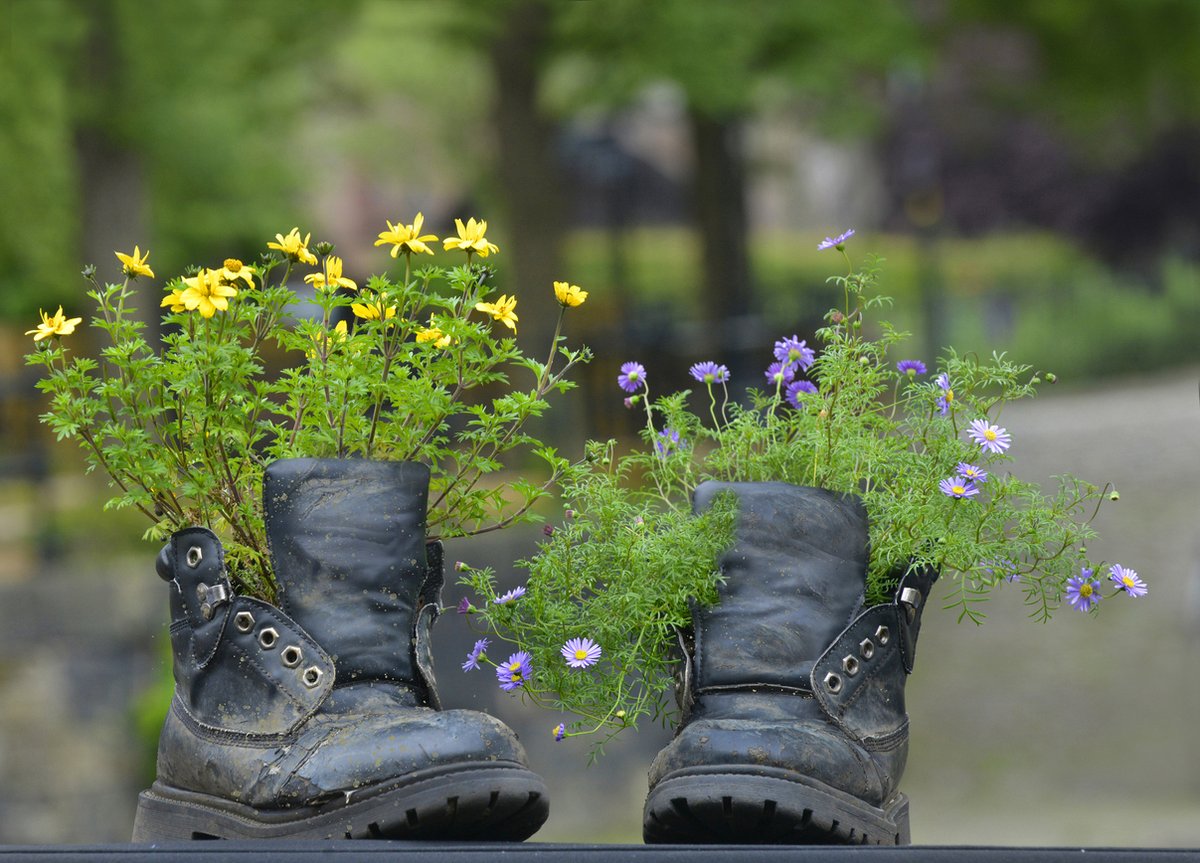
[135, 265]
[57, 324]
[234, 271]
[373, 311]
[407, 238]
[174, 300]
[433, 334]
[471, 238]
[294, 247]
[503, 310]
[204, 292]
[569, 295]
[331, 277]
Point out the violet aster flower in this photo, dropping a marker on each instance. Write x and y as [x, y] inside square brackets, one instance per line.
[947, 397]
[474, 656]
[911, 367]
[559, 731]
[464, 606]
[513, 595]
[794, 351]
[958, 488]
[991, 438]
[580, 652]
[971, 472]
[515, 671]
[709, 373]
[1082, 592]
[667, 443]
[632, 377]
[779, 374]
[1127, 580]
[795, 388]
[835, 242]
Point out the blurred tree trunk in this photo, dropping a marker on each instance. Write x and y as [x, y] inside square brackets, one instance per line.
[531, 179]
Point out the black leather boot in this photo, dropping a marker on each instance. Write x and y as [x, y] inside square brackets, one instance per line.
[320, 718]
[794, 728]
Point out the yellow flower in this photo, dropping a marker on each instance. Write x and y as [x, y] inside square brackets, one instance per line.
[371, 311]
[331, 277]
[294, 247]
[205, 292]
[470, 238]
[568, 294]
[57, 324]
[407, 238]
[433, 334]
[503, 310]
[235, 270]
[135, 265]
[174, 300]
[322, 341]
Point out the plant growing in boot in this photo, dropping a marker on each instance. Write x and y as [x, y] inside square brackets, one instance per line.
[301, 460]
[767, 560]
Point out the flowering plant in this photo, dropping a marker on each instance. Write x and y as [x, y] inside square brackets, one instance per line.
[246, 372]
[923, 448]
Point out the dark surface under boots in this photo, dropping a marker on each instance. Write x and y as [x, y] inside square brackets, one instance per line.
[319, 719]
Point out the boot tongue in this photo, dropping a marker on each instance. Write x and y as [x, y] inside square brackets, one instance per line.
[347, 543]
[794, 579]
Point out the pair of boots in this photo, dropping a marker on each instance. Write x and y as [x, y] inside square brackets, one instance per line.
[319, 718]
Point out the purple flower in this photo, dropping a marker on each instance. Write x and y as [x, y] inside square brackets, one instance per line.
[667, 443]
[779, 374]
[1005, 568]
[464, 606]
[632, 377]
[1127, 580]
[795, 388]
[709, 372]
[794, 351]
[947, 396]
[991, 438]
[474, 656]
[911, 367]
[958, 488]
[580, 652]
[560, 731]
[835, 242]
[1082, 592]
[971, 472]
[515, 671]
[514, 594]
[548, 529]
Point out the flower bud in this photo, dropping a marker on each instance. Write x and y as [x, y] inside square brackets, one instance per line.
[1035, 380]
[459, 566]
[1051, 377]
[88, 271]
[1114, 495]
[323, 248]
[836, 316]
[548, 529]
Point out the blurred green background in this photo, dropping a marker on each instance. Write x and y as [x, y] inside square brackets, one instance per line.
[1030, 171]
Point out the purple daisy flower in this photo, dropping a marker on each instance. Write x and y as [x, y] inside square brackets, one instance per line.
[911, 367]
[632, 377]
[667, 443]
[1082, 592]
[513, 595]
[835, 242]
[971, 472]
[958, 488]
[795, 388]
[464, 606]
[559, 731]
[515, 671]
[709, 373]
[475, 655]
[794, 351]
[947, 396]
[991, 438]
[780, 374]
[580, 652]
[1127, 580]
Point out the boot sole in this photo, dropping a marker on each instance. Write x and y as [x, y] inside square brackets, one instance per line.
[502, 803]
[765, 806]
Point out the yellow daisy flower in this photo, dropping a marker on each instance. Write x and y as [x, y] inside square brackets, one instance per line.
[371, 311]
[204, 292]
[174, 300]
[433, 334]
[57, 324]
[568, 294]
[135, 264]
[294, 247]
[471, 238]
[503, 310]
[407, 238]
[234, 270]
[331, 277]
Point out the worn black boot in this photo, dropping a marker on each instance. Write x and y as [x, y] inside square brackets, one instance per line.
[320, 718]
[794, 728]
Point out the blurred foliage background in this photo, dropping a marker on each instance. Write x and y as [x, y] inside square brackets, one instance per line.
[1030, 171]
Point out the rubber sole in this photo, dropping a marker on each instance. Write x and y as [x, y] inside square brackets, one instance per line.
[760, 807]
[494, 803]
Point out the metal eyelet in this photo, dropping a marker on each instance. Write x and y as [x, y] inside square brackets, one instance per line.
[311, 676]
[244, 621]
[866, 648]
[268, 638]
[291, 656]
[883, 635]
[850, 666]
[833, 682]
[194, 555]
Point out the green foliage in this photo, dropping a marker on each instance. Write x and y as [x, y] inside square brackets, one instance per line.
[184, 430]
[914, 445]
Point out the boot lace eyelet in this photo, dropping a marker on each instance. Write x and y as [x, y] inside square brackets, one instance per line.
[883, 635]
[311, 676]
[194, 555]
[833, 682]
[850, 665]
[268, 638]
[866, 648]
[244, 621]
[291, 656]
